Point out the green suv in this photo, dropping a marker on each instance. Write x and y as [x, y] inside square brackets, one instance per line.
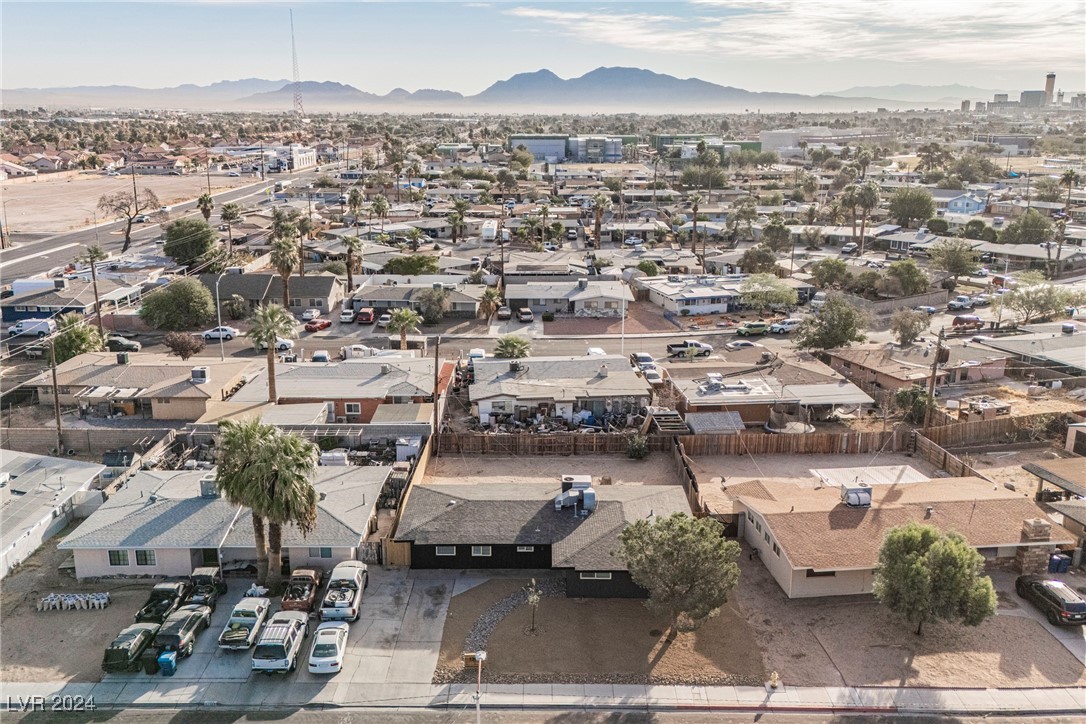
[750, 329]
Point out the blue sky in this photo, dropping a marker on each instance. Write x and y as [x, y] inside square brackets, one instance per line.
[806, 46]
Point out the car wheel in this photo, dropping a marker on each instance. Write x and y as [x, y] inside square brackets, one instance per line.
[293, 666]
[187, 651]
[41, 334]
[1052, 618]
[207, 337]
[1020, 590]
[229, 337]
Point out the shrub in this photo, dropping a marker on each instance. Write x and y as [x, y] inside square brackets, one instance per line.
[548, 316]
[637, 447]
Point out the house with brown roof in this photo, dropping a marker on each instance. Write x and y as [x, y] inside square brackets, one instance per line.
[825, 540]
[897, 368]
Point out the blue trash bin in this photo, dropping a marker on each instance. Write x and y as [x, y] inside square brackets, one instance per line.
[1064, 563]
[167, 663]
[1054, 563]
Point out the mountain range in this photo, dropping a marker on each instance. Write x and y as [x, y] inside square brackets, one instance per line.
[600, 90]
[919, 93]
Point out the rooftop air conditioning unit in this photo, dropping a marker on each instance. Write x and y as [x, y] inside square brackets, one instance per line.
[200, 375]
[857, 495]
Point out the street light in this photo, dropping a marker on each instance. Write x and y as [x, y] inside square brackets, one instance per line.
[218, 313]
[480, 657]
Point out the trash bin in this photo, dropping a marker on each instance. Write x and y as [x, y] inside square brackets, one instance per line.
[1054, 563]
[149, 661]
[167, 662]
[1063, 563]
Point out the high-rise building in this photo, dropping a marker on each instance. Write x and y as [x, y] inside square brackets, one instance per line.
[965, 106]
[1032, 99]
[1050, 86]
[980, 106]
[1000, 98]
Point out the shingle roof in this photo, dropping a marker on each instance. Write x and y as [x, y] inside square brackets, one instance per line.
[158, 375]
[350, 379]
[259, 287]
[1068, 473]
[558, 378]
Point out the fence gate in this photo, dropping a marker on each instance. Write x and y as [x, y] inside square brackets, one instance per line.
[371, 552]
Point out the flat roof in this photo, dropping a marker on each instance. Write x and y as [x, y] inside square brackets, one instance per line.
[33, 486]
[1066, 473]
[879, 475]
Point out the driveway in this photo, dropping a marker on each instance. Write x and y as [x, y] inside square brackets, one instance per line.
[1073, 638]
[395, 642]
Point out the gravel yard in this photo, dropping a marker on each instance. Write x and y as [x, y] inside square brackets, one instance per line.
[657, 469]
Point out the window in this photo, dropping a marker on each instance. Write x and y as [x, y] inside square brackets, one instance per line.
[20, 309]
[145, 558]
[525, 549]
[480, 551]
[758, 526]
[767, 536]
[750, 517]
[320, 552]
[812, 573]
[163, 400]
[401, 399]
[118, 558]
[777, 550]
[595, 576]
[445, 550]
[295, 302]
[501, 406]
[352, 408]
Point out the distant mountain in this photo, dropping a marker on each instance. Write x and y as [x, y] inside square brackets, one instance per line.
[919, 93]
[600, 90]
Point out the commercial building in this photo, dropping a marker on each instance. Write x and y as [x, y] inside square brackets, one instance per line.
[561, 147]
[786, 139]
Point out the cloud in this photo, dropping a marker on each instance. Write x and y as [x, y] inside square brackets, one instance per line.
[974, 32]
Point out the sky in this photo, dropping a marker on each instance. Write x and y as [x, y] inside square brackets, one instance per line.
[803, 46]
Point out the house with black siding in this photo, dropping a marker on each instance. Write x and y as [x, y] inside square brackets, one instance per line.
[518, 525]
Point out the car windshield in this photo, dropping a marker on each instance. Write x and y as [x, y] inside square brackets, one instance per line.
[244, 613]
[348, 584]
[269, 652]
[203, 580]
[325, 650]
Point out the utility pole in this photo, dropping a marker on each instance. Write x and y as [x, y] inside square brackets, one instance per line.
[207, 167]
[56, 394]
[929, 403]
[437, 379]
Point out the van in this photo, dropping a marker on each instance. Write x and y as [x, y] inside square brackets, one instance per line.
[36, 327]
[967, 321]
[525, 315]
[366, 315]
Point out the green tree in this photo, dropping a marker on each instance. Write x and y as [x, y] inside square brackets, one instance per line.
[339, 268]
[230, 214]
[935, 225]
[433, 303]
[603, 204]
[456, 221]
[776, 236]
[415, 237]
[977, 229]
[649, 268]
[1034, 296]
[903, 279]
[284, 257]
[744, 213]
[830, 272]
[183, 344]
[489, 303]
[206, 205]
[758, 260]
[182, 304]
[956, 257]
[1031, 227]
[380, 207]
[404, 320]
[268, 324]
[908, 324]
[911, 204]
[914, 402]
[412, 265]
[686, 564]
[355, 199]
[75, 337]
[1069, 178]
[236, 307]
[352, 245]
[932, 156]
[189, 241]
[1047, 189]
[764, 291]
[925, 575]
[868, 199]
[838, 324]
[512, 346]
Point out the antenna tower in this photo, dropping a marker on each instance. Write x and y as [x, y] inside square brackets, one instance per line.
[297, 76]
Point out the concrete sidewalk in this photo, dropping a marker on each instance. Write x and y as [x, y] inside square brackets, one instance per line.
[274, 693]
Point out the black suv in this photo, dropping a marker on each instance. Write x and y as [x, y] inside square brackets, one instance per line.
[123, 654]
[207, 586]
[179, 631]
[164, 600]
[1061, 604]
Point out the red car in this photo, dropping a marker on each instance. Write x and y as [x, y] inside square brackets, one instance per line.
[317, 325]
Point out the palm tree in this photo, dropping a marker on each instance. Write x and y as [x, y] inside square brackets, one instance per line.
[238, 449]
[1069, 179]
[205, 204]
[291, 498]
[849, 202]
[863, 160]
[269, 323]
[695, 201]
[415, 236]
[868, 199]
[489, 303]
[530, 225]
[512, 346]
[230, 214]
[404, 320]
[455, 220]
[602, 203]
[353, 245]
[284, 257]
[306, 226]
[380, 208]
[544, 209]
[354, 200]
[833, 213]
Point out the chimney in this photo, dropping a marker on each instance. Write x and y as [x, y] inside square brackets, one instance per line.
[200, 375]
[1032, 556]
[603, 370]
[385, 369]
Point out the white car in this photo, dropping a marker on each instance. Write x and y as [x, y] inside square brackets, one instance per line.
[784, 326]
[596, 352]
[347, 315]
[281, 345]
[233, 174]
[741, 344]
[221, 333]
[653, 376]
[551, 246]
[329, 645]
[243, 626]
[310, 314]
[384, 320]
[632, 241]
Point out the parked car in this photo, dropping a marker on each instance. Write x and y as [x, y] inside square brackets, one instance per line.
[596, 352]
[310, 314]
[632, 241]
[179, 631]
[927, 310]
[316, 325]
[818, 301]
[343, 598]
[120, 344]
[571, 234]
[124, 652]
[752, 329]
[653, 376]
[277, 650]
[329, 645]
[207, 586]
[35, 327]
[233, 174]
[641, 360]
[244, 623]
[1061, 604]
[967, 321]
[141, 219]
[982, 300]
[961, 301]
[281, 345]
[741, 344]
[785, 326]
[384, 320]
[366, 315]
[552, 246]
[223, 332]
[302, 589]
[524, 314]
[689, 347]
[321, 355]
[165, 598]
[875, 264]
[850, 248]
[982, 272]
[347, 316]
[504, 313]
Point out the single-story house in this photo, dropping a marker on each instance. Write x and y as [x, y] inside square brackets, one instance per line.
[1018, 206]
[895, 369]
[317, 291]
[169, 522]
[756, 396]
[966, 204]
[534, 525]
[563, 387]
[688, 294]
[581, 297]
[463, 299]
[1060, 352]
[66, 296]
[825, 540]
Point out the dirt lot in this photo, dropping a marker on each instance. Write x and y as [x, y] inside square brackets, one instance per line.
[1005, 466]
[657, 469]
[63, 201]
[1022, 404]
[601, 640]
[852, 641]
[59, 645]
[641, 318]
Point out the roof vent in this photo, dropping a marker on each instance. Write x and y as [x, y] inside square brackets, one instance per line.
[603, 370]
[582, 284]
[515, 366]
[208, 487]
[857, 495]
[122, 358]
[385, 369]
[576, 482]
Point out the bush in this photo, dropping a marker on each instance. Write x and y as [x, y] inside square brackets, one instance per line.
[182, 304]
[548, 316]
[637, 447]
[338, 268]
[184, 345]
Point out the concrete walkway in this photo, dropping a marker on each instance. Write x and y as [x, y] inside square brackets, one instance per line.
[275, 693]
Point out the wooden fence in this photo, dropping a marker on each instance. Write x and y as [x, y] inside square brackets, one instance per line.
[945, 460]
[1021, 428]
[819, 443]
[689, 479]
[550, 444]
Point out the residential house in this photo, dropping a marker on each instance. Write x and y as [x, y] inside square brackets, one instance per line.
[158, 165]
[686, 294]
[168, 523]
[1051, 350]
[824, 540]
[535, 526]
[966, 204]
[1017, 206]
[156, 386]
[582, 297]
[572, 388]
[463, 299]
[44, 163]
[44, 298]
[898, 368]
[313, 291]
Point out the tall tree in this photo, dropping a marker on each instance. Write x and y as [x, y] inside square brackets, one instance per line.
[1031, 227]
[489, 303]
[837, 324]
[849, 198]
[75, 337]
[868, 199]
[1070, 178]
[404, 320]
[353, 245]
[911, 204]
[456, 220]
[306, 227]
[291, 498]
[182, 304]
[686, 564]
[238, 476]
[956, 257]
[602, 203]
[128, 205]
[206, 205]
[284, 257]
[830, 272]
[695, 202]
[189, 241]
[763, 291]
[268, 324]
[230, 214]
[380, 208]
[926, 575]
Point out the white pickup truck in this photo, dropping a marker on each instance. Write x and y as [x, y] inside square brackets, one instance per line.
[343, 599]
[244, 624]
[689, 348]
